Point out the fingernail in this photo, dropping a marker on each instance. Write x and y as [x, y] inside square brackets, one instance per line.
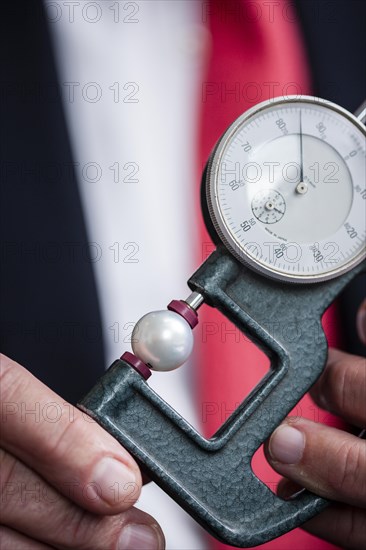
[287, 445]
[138, 536]
[109, 478]
[361, 325]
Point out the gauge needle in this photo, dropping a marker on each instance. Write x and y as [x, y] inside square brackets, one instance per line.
[301, 187]
[301, 154]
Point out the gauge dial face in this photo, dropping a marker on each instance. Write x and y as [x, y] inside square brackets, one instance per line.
[286, 189]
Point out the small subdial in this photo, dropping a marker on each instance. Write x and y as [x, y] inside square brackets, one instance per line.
[268, 206]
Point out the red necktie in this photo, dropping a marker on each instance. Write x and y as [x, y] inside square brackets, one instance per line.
[256, 54]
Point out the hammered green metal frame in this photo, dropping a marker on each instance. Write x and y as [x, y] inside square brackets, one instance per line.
[212, 479]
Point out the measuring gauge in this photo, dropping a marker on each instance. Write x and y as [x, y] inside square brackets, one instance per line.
[286, 193]
[286, 189]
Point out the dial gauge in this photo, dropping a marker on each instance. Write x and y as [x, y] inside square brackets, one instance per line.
[286, 189]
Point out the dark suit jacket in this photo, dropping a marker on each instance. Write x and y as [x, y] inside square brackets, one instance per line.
[49, 312]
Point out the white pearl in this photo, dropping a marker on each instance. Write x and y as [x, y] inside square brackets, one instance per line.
[163, 339]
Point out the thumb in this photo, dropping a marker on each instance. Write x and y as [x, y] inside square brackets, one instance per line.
[361, 322]
[327, 461]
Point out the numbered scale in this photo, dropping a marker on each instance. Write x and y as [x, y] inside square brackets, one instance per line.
[286, 189]
[284, 199]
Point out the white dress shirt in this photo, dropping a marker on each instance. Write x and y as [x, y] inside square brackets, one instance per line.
[130, 74]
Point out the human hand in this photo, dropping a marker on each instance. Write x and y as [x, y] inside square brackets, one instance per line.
[325, 460]
[65, 482]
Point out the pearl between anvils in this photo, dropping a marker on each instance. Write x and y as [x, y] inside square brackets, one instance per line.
[163, 339]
